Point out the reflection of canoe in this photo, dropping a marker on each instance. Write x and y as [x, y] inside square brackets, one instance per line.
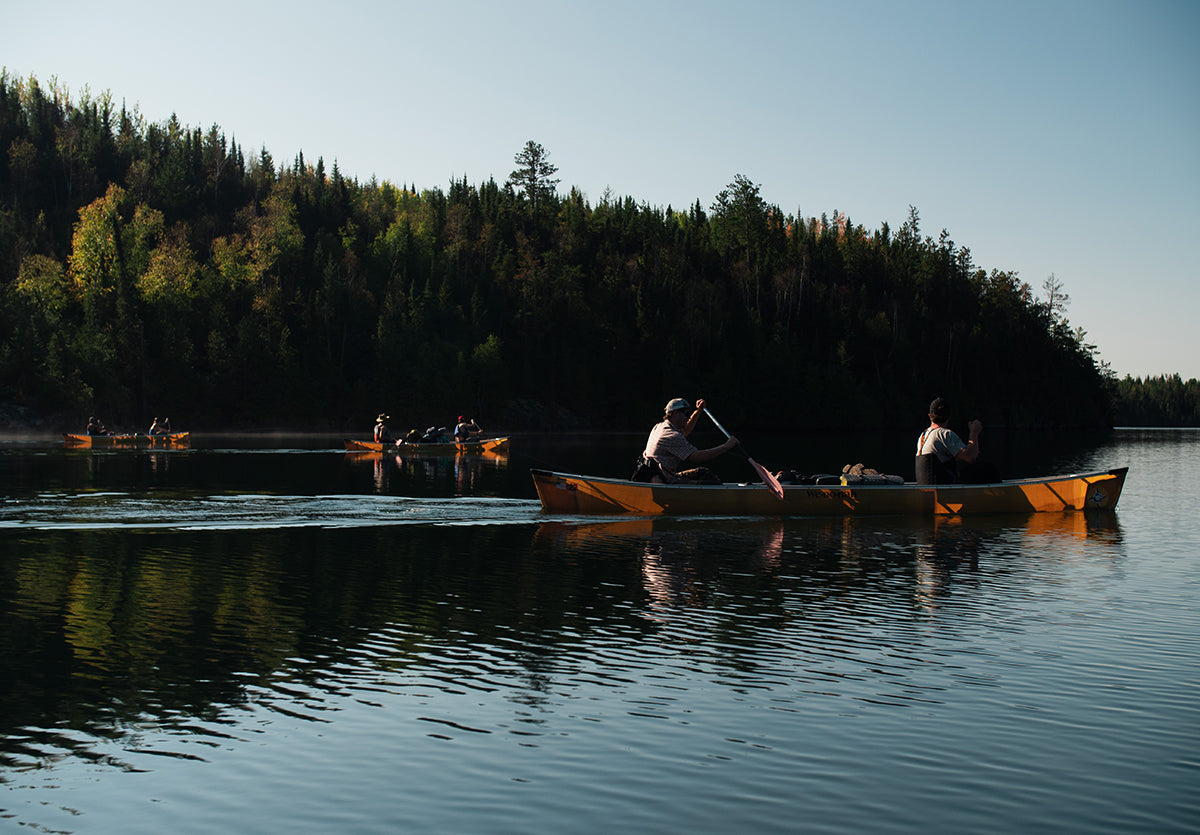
[482, 445]
[626, 529]
[564, 493]
[496, 457]
[174, 439]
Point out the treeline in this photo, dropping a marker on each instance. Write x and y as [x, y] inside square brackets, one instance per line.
[150, 268]
[1166, 400]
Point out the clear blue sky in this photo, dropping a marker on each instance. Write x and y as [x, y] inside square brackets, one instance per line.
[1047, 137]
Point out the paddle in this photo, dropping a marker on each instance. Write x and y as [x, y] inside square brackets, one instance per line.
[770, 480]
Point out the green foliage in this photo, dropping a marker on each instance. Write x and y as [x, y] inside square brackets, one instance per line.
[1157, 401]
[152, 268]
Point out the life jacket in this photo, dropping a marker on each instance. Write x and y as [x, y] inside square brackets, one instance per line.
[646, 469]
[932, 470]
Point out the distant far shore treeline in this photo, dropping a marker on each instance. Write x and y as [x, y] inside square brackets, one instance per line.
[1166, 400]
[154, 269]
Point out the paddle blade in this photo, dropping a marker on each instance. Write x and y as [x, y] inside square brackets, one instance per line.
[768, 479]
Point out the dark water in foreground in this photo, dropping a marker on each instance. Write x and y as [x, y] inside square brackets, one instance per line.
[270, 635]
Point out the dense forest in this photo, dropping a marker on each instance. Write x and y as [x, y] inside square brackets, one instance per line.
[156, 269]
[1157, 401]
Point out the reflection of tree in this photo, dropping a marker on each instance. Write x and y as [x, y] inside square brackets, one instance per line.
[104, 631]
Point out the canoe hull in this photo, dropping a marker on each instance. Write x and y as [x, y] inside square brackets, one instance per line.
[566, 493]
[482, 445]
[173, 440]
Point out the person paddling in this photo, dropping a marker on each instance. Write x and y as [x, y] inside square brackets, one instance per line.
[466, 428]
[382, 433]
[672, 456]
[943, 457]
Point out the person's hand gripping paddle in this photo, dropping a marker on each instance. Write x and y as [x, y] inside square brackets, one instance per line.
[768, 479]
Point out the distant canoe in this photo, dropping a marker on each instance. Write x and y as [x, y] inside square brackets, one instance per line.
[483, 445]
[172, 440]
[565, 493]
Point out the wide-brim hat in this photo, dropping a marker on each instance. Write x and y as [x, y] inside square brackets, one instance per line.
[383, 418]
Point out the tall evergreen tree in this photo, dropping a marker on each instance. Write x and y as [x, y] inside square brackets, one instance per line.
[533, 175]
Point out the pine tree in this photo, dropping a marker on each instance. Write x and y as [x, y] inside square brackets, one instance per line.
[533, 175]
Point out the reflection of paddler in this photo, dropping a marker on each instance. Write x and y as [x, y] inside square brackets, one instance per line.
[669, 582]
[465, 473]
[770, 555]
[380, 474]
[950, 544]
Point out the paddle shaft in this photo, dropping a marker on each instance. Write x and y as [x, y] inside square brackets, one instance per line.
[724, 431]
[770, 480]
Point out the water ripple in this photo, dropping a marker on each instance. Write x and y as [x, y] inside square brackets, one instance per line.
[120, 511]
[484, 668]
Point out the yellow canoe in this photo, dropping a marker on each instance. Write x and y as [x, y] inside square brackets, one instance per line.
[174, 439]
[450, 448]
[567, 493]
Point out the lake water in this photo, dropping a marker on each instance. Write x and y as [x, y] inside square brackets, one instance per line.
[271, 635]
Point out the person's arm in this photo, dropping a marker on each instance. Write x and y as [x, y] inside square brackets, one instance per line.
[970, 452]
[701, 456]
[691, 421]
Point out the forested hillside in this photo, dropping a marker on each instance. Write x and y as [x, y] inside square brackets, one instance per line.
[152, 268]
[1157, 401]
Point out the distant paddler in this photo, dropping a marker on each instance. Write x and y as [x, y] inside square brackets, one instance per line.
[465, 429]
[382, 434]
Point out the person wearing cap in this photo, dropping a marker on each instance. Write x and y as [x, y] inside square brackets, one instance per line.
[382, 434]
[942, 456]
[672, 455]
[465, 428]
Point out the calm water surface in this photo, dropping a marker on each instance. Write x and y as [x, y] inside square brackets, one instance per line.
[271, 635]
